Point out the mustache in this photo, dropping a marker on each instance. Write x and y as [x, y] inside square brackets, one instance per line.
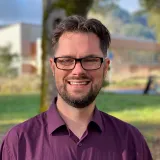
[81, 77]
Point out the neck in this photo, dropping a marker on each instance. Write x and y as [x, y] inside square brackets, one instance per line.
[75, 117]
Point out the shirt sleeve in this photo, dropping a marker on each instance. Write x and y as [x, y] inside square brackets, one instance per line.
[8, 148]
[4, 153]
[140, 146]
[146, 154]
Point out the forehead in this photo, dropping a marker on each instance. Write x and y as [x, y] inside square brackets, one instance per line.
[78, 44]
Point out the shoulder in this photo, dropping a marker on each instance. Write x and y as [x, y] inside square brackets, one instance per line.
[27, 127]
[120, 127]
[128, 135]
[23, 135]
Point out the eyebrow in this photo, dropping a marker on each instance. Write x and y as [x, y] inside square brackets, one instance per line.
[88, 56]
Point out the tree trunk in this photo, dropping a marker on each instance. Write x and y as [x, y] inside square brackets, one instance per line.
[53, 12]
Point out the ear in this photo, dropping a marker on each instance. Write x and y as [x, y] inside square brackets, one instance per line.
[52, 65]
[106, 65]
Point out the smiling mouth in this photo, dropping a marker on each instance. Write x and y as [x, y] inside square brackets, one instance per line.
[78, 82]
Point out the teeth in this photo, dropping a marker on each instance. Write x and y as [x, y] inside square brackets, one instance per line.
[78, 82]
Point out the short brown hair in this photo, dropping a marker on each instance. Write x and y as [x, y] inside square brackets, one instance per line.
[77, 23]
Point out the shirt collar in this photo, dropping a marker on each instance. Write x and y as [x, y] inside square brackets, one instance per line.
[97, 119]
[55, 121]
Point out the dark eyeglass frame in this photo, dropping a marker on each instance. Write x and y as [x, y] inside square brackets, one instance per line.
[79, 60]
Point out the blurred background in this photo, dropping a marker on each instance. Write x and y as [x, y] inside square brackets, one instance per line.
[131, 90]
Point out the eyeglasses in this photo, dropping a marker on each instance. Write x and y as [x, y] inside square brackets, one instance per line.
[87, 63]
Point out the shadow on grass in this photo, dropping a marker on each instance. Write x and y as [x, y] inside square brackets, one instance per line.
[150, 130]
[110, 102]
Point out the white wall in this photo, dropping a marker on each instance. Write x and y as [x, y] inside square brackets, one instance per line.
[20, 36]
[12, 35]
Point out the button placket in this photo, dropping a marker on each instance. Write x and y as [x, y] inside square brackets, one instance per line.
[79, 144]
[73, 137]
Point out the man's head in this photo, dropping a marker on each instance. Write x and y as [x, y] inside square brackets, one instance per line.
[80, 47]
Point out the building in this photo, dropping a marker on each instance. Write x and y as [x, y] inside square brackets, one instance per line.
[132, 56]
[129, 56]
[22, 38]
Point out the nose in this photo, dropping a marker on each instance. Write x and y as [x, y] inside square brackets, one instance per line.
[78, 69]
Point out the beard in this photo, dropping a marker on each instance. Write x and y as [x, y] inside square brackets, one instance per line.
[82, 101]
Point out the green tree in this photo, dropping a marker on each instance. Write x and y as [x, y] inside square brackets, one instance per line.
[6, 61]
[153, 7]
[121, 22]
[121, 14]
[103, 6]
[137, 30]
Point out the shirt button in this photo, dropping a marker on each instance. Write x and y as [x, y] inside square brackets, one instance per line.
[80, 144]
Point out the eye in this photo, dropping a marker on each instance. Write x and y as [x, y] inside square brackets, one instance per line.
[92, 60]
[65, 61]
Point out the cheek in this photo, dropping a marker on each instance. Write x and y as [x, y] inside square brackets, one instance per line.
[60, 76]
[98, 76]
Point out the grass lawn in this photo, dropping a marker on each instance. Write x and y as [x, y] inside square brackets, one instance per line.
[139, 110]
[17, 108]
[142, 111]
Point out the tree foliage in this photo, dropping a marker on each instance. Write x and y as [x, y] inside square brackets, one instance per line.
[154, 22]
[74, 6]
[121, 14]
[137, 30]
[151, 5]
[6, 60]
[103, 6]
[140, 19]
[153, 8]
[120, 22]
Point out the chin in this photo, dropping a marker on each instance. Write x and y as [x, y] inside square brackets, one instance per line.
[79, 101]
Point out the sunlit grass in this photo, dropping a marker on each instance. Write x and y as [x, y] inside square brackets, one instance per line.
[131, 82]
[9, 121]
[142, 115]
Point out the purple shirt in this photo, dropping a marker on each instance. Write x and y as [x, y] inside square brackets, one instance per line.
[46, 137]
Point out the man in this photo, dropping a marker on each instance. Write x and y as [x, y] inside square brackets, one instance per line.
[73, 128]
